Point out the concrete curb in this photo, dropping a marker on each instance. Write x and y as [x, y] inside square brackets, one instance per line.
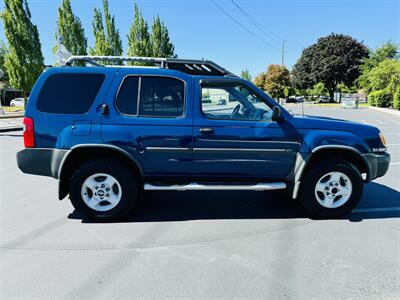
[386, 110]
[12, 116]
[8, 129]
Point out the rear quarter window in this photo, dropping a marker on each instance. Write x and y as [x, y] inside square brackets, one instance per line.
[69, 93]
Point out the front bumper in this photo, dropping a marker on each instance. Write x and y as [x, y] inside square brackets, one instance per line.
[41, 161]
[378, 164]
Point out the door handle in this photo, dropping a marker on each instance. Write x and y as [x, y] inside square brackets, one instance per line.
[206, 130]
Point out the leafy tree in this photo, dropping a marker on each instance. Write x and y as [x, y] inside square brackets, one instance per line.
[277, 80]
[69, 27]
[246, 74]
[3, 53]
[139, 38]
[100, 42]
[342, 88]
[317, 89]
[113, 37]
[387, 51]
[334, 59]
[386, 75]
[396, 98]
[107, 39]
[259, 80]
[160, 41]
[24, 62]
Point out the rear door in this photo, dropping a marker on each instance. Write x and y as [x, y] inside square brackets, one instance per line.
[64, 104]
[149, 117]
[234, 136]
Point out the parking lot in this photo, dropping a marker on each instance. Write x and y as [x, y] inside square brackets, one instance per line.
[252, 245]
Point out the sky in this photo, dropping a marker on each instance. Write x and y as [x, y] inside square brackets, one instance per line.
[199, 29]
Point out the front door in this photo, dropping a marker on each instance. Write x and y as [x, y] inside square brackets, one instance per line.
[235, 138]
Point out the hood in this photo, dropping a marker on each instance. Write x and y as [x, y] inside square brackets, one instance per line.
[324, 123]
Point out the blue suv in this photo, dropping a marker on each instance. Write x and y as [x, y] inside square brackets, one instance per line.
[110, 133]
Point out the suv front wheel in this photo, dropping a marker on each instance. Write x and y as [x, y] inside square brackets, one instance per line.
[331, 189]
[103, 189]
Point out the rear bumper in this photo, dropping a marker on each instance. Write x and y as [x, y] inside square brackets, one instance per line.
[378, 164]
[41, 161]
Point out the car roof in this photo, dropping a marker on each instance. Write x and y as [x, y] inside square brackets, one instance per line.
[112, 70]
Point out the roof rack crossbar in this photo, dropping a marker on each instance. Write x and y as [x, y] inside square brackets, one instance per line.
[190, 66]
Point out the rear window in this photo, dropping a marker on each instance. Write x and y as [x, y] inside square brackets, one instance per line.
[161, 97]
[128, 96]
[69, 93]
[157, 96]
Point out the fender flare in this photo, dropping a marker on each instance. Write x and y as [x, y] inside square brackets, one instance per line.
[303, 160]
[61, 179]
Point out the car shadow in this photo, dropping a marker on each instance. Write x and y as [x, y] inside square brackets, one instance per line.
[205, 205]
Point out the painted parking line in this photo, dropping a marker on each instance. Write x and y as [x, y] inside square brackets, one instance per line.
[379, 121]
[395, 121]
[375, 209]
[396, 163]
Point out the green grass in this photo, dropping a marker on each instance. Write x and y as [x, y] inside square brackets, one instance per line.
[13, 109]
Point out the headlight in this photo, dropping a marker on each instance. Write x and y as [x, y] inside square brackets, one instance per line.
[383, 140]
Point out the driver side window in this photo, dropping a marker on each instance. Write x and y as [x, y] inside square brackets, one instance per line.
[233, 103]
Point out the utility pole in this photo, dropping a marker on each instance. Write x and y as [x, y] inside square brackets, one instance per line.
[283, 52]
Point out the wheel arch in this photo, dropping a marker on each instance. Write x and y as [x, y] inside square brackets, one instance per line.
[81, 153]
[348, 153]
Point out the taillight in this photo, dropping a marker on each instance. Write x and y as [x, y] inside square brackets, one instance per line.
[29, 136]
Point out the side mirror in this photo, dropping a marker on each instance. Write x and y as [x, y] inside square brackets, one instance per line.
[277, 114]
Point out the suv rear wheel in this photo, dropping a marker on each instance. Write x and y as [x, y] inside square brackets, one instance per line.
[103, 189]
[331, 189]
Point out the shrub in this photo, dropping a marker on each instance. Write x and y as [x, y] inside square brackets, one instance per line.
[380, 98]
[396, 98]
[371, 99]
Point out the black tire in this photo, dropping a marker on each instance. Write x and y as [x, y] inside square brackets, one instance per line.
[307, 195]
[125, 177]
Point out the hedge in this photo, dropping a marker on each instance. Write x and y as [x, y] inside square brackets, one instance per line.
[380, 98]
[396, 98]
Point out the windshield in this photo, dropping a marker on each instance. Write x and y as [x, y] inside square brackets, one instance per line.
[234, 102]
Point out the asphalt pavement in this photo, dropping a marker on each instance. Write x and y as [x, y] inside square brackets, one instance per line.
[201, 245]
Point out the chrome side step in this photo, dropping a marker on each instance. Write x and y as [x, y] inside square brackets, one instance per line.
[217, 187]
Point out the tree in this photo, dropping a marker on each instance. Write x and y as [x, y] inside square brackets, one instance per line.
[107, 39]
[3, 53]
[100, 42]
[277, 81]
[246, 74]
[386, 51]
[383, 81]
[334, 59]
[160, 41]
[24, 61]
[386, 75]
[259, 80]
[70, 29]
[139, 38]
[317, 89]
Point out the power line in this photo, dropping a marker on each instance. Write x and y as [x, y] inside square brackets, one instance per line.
[266, 31]
[242, 26]
[287, 47]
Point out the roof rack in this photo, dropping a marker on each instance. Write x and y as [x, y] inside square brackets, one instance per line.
[189, 66]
